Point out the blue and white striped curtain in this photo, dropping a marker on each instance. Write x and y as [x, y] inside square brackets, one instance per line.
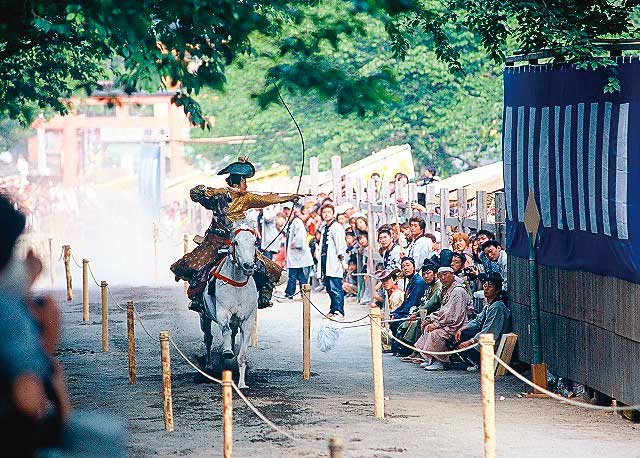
[576, 148]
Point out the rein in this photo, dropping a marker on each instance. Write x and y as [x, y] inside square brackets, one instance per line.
[215, 272]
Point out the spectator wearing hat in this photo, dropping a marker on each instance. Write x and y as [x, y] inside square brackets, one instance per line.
[442, 325]
[413, 291]
[299, 259]
[333, 250]
[393, 294]
[494, 318]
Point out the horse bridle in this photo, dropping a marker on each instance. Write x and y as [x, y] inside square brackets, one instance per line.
[233, 245]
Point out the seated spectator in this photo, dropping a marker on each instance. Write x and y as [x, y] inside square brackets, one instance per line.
[413, 292]
[389, 249]
[393, 294]
[442, 325]
[409, 331]
[462, 244]
[495, 260]
[494, 318]
[350, 282]
[36, 417]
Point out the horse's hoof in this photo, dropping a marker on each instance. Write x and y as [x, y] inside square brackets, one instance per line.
[228, 355]
[244, 386]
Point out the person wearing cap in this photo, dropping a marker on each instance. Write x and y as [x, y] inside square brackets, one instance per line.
[442, 325]
[299, 259]
[393, 294]
[228, 206]
[268, 231]
[494, 318]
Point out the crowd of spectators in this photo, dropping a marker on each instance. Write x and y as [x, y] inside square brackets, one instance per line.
[437, 299]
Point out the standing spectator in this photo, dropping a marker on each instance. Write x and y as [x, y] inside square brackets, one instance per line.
[428, 177]
[413, 292]
[389, 249]
[420, 247]
[299, 259]
[333, 249]
[268, 231]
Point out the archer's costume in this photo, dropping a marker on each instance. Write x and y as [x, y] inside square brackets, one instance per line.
[228, 206]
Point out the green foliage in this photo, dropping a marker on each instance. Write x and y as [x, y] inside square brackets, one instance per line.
[451, 121]
[51, 49]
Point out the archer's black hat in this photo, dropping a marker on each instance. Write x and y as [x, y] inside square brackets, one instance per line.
[241, 167]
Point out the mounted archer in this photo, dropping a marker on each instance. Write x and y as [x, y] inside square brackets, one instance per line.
[228, 206]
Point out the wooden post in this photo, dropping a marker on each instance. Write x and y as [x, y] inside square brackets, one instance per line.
[481, 207]
[254, 333]
[165, 358]
[335, 447]
[105, 317]
[313, 175]
[359, 188]
[412, 195]
[132, 343]
[52, 265]
[227, 414]
[501, 218]
[155, 252]
[376, 359]
[488, 395]
[462, 208]
[371, 235]
[430, 206]
[306, 331]
[66, 257]
[85, 290]
[444, 213]
[348, 189]
[384, 201]
[336, 166]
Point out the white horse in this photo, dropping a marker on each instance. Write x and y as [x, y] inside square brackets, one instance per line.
[236, 299]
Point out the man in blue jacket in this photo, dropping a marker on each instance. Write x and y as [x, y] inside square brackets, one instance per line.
[414, 289]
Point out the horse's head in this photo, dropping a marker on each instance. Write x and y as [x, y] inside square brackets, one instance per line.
[243, 247]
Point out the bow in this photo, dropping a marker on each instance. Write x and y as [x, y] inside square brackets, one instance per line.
[301, 165]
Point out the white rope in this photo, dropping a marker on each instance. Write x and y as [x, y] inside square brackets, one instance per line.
[560, 398]
[258, 413]
[418, 350]
[204, 374]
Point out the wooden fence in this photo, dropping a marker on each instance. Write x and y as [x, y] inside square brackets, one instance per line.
[590, 327]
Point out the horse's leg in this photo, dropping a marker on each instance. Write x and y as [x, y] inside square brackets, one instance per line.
[205, 325]
[246, 329]
[224, 321]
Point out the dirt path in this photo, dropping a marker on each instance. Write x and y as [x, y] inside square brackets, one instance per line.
[428, 414]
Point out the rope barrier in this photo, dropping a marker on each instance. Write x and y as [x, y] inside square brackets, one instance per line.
[557, 397]
[418, 350]
[258, 413]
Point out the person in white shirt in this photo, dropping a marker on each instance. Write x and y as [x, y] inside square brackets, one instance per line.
[333, 249]
[299, 259]
[269, 231]
[420, 247]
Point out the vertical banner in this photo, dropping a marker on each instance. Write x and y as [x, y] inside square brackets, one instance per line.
[150, 176]
[576, 147]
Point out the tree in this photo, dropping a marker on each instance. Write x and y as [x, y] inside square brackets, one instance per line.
[49, 50]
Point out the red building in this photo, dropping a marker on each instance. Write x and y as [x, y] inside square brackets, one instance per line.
[102, 137]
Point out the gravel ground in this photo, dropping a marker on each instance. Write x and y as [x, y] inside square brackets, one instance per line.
[427, 414]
